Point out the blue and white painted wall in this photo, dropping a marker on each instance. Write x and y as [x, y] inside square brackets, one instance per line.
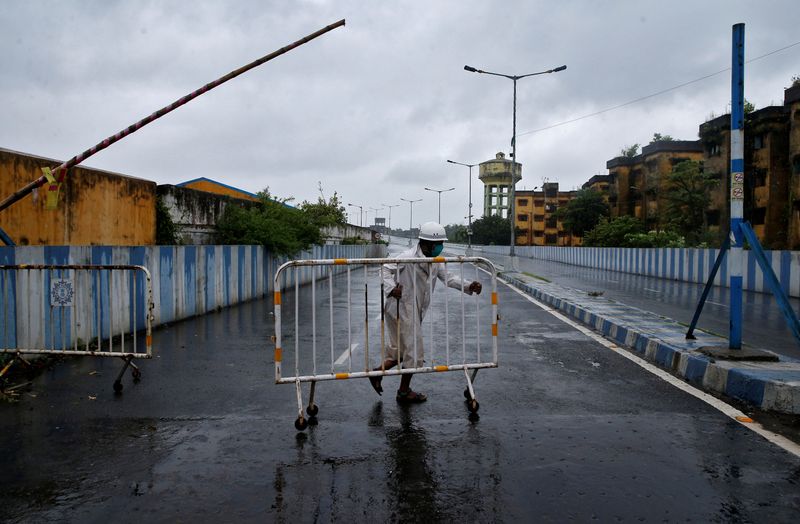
[187, 281]
[683, 264]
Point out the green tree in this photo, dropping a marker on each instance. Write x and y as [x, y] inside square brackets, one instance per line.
[166, 228]
[658, 137]
[687, 199]
[325, 213]
[612, 233]
[282, 229]
[795, 81]
[583, 212]
[456, 233]
[630, 151]
[490, 230]
[749, 107]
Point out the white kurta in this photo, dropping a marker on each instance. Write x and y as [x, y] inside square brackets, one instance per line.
[412, 307]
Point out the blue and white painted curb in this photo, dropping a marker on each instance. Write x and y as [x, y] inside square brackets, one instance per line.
[771, 386]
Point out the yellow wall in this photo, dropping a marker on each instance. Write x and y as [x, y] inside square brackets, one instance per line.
[94, 208]
[212, 187]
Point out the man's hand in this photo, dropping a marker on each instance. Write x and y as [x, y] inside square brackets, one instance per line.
[475, 287]
[397, 292]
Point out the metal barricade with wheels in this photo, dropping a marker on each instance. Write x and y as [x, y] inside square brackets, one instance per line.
[465, 339]
[97, 310]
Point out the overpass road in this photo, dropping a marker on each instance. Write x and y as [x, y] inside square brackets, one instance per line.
[764, 326]
[568, 430]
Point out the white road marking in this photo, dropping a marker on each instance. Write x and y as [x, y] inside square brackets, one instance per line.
[343, 357]
[651, 290]
[726, 409]
[716, 303]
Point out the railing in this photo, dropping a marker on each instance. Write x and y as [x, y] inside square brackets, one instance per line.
[97, 310]
[321, 354]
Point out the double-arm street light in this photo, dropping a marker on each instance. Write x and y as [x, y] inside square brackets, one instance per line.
[410, 216]
[513, 139]
[440, 191]
[469, 216]
[390, 214]
[360, 213]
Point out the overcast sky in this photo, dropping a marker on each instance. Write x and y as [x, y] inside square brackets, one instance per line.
[373, 110]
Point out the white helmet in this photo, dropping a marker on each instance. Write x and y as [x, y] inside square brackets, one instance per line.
[432, 231]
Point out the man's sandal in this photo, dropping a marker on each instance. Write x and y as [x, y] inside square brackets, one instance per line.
[410, 397]
[376, 384]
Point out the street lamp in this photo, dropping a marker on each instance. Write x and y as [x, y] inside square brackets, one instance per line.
[511, 206]
[411, 216]
[440, 191]
[469, 214]
[390, 215]
[360, 213]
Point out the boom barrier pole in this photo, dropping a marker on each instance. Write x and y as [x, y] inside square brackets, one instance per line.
[61, 171]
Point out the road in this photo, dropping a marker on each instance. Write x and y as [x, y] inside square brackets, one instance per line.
[568, 430]
[764, 325]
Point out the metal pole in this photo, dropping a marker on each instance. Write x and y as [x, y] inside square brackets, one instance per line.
[469, 218]
[61, 171]
[737, 186]
[513, 181]
[440, 207]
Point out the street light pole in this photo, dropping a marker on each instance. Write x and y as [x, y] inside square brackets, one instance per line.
[469, 213]
[410, 216]
[360, 214]
[376, 209]
[511, 203]
[390, 214]
[440, 191]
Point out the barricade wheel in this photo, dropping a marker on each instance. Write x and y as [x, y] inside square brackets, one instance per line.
[312, 410]
[117, 387]
[137, 375]
[473, 406]
[300, 424]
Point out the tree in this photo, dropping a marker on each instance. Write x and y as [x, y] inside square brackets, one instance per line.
[749, 107]
[325, 213]
[282, 229]
[687, 198]
[583, 212]
[795, 81]
[491, 230]
[456, 233]
[630, 151]
[612, 233]
[658, 137]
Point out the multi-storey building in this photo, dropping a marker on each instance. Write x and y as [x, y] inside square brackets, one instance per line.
[536, 217]
[638, 185]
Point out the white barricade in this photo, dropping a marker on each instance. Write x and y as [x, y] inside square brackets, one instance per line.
[323, 333]
[98, 310]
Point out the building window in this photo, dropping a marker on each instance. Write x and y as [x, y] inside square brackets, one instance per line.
[538, 233]
[714, 150]
[758, 142]
[522, 217]
[522, 202]
[796, 163]
[759, 177]
[550, 239]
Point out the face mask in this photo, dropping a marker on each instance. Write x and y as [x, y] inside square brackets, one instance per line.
[437, 250]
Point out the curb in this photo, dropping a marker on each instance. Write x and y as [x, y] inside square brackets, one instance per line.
[773, 386]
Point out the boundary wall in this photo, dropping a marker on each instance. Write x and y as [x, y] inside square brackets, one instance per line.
[683, 264]
[187, 280]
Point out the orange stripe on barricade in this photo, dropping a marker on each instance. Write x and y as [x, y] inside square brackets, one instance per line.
[441, 368]
[494, 330]
[340, 376]
[340, 261]
[494, 298]
[148, 340]
[277, 298]
[278, 354]
[438, 259]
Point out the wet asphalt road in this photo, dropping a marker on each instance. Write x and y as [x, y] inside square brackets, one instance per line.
[764, 325]
[568, 430]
